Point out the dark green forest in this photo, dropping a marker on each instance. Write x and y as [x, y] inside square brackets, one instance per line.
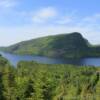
[34, 81]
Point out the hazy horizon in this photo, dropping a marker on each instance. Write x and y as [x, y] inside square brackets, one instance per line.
[22, 20]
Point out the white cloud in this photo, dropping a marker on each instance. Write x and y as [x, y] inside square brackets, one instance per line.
[7, 3]
[55, 22]
[64, 20]
[92, 19]
[44, 15]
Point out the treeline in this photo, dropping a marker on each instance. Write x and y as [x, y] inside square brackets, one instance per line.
[33, 81]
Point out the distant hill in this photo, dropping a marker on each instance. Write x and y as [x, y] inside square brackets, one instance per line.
[72, 45]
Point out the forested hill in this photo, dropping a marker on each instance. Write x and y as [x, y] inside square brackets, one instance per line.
[72, 45]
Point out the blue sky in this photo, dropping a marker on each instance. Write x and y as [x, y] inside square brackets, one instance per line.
[25, 19]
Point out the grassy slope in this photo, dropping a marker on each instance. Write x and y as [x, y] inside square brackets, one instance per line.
[65, 45]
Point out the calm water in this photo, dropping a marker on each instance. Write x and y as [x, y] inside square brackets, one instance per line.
[14, 59]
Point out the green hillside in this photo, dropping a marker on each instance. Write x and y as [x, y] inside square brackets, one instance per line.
[72, 45]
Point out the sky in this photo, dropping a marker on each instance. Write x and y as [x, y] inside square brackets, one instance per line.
[27, 19]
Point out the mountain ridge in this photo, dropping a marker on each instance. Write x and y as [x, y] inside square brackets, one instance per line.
[70, 45]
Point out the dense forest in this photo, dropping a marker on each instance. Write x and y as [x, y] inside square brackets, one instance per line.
[34, 81]
[72, 45]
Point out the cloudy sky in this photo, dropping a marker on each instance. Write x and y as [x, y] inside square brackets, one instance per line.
[25, 19]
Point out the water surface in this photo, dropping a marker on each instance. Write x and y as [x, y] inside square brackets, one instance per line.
[14, 59]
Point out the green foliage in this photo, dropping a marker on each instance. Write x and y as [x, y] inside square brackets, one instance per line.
[66, 46]
[34, 81]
